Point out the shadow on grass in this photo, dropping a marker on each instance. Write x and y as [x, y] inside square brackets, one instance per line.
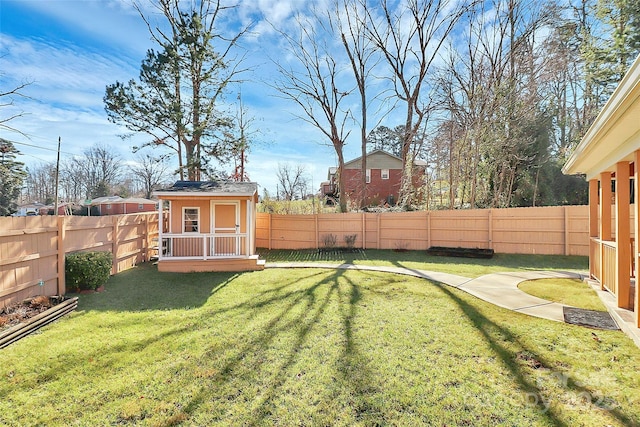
[301, 311]
[500, 339]
[144, 288]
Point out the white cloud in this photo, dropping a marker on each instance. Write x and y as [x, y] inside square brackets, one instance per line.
[113, 23]
[70, 78]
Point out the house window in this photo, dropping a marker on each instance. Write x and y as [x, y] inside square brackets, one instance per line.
[368, 176]
[109, 206]
[140, 206]
[384, 174]
[191, 220]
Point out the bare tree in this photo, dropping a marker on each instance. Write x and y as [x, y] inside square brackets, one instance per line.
[351, 23]
[100, 168]
[492, 93]
[149, 172]
[410, 40]
[72, 180]
[313, 83]
[241, 140]
[292, 181]
[40, 183]
[7, 102]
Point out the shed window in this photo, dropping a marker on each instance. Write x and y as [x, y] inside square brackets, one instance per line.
[109, 206]
[140, 206]
[191, 220]
[384, 174]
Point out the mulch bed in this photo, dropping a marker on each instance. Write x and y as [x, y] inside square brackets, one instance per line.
[460, 252]
[21, 312]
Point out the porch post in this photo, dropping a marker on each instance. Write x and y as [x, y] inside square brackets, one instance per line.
[605, 206]
[605, 219]
[593, 219]
[593, 208]
[160, 223]
[636, 249]
[623, 238]
[249, 227]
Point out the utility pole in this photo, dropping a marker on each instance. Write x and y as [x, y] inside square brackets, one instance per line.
[55, 212]
[242, 140]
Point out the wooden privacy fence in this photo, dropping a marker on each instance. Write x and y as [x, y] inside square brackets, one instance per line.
[32, 249]
[556, 230]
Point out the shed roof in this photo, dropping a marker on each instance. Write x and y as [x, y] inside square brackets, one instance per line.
[209, 188]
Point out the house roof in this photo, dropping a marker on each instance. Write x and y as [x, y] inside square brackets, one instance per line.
[106, 199]
[614, 136]
[34, 205]
[138, 200]
[378, 152]
[209, 188]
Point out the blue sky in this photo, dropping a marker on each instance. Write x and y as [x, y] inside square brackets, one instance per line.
[72, 49]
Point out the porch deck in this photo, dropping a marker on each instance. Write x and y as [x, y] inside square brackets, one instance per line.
[206, 252]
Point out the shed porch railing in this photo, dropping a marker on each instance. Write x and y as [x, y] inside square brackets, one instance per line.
[203, 246]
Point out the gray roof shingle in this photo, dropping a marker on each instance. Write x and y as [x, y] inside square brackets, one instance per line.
[219, 187]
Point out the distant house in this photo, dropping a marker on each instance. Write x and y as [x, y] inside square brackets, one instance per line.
[383, 179]
[64, 208]
[211, 227]
[29, 209]
[116, 205]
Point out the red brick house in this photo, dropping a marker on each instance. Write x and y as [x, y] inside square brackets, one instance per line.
[383, 178]
[116, 205]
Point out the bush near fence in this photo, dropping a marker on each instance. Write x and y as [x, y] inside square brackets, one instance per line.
[555, 230]
[32, 249]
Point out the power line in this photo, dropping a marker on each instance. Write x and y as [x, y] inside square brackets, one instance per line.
[41, 148]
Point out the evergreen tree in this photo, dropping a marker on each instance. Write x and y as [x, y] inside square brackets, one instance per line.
[176, 99]
[12, 175]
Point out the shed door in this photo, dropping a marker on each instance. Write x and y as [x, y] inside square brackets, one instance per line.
[226, 226]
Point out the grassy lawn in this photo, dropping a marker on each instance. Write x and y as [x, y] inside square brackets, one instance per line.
[566, 291]
[312, 347]
[466, 267]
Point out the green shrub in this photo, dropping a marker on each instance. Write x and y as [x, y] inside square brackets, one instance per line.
[87, 270]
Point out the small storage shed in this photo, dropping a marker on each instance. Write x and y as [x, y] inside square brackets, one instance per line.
[209, 226]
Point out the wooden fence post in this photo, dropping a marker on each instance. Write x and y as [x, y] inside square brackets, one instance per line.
[364, 226]
[114, 244]
[315, 216]
[378, 231]
[269, 231]
[428, 229]
[490, 217]
[61, 255]
[566, 230]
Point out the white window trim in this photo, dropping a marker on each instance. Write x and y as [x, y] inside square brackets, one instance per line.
[184, 209]
[384, 175]
[368, 176]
